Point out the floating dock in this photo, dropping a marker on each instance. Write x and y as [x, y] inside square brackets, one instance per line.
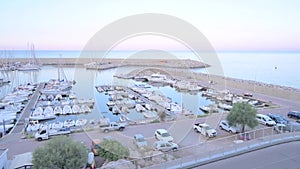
[20, 124]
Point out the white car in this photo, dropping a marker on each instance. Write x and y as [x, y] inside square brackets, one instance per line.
[205, 129]
[265, 120]
[139, 141]
[225, 126]
[163, 135]
[165, 146]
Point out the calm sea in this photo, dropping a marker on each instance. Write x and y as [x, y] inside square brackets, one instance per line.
[275, 68]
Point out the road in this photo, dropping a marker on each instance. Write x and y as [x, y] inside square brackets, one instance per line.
[283, 156]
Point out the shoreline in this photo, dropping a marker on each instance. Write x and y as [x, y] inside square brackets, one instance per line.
[228, 83]
[181, 72]
[103, 63]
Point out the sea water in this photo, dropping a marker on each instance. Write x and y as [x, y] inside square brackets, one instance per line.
[279, 68]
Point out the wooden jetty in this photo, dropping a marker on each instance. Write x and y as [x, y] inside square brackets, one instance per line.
[20, 124]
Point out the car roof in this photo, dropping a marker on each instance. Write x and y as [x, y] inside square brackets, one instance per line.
[162, 130]
[161, 142]
[273, 115]
[203, 124]
[138, 136]
[262, 115]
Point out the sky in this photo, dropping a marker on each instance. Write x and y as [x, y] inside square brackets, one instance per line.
[229, 25]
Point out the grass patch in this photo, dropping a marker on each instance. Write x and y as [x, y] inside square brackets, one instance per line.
[202, 115]
[155, 121]
[30, 136]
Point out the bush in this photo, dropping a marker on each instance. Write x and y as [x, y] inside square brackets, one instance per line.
[112, 150]
[60, 152]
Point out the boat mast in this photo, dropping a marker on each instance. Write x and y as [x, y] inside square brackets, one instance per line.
[33, 54]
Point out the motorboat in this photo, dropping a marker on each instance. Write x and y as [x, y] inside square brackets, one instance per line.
[224, 106]
[57, 125]
[33, 125]
[123, 118]
[80, 122]
[150, 114]
[42, 117]
[7, 127]
[85, 108]
[48, 110]
[67, 110]
[69, 123]
[139, 108]
[58, 110]
[29, 67]
[37, 111]
[8, 118]
[110, 103]
[148, 106]
[76, 109]
[209, 109]
[116, 110]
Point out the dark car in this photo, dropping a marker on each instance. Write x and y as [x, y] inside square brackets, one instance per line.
[294, 114]
[277, 118]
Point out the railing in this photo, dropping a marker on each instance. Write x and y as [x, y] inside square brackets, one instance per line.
[211, 150]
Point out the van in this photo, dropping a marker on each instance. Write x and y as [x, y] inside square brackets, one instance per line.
[265, 120]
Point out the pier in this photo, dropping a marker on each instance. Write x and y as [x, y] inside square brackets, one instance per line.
[20, 124]
[159, 108]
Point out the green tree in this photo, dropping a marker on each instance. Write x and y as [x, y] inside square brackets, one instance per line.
[242, 114]
[112, 150]
[60, 153]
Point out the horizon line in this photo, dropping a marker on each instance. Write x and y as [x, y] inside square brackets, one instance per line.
[217, 51]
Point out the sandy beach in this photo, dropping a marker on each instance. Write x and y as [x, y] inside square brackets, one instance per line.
[225, 83]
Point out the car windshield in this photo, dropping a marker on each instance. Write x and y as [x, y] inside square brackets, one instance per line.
[165, 134]
[141, 139]
[208, 128]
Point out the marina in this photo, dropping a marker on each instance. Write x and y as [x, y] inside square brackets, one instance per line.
[61, 106]
[141, 98]
[149, 85]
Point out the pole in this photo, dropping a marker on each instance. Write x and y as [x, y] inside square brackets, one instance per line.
[4, 131]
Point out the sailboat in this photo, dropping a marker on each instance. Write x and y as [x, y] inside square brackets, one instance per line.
[32, 63]
[61, 84]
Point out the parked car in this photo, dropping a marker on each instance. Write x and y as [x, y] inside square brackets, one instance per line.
[294, 114]
[244, 136]
[139, 141]
[225, 126]
[165, 146]
[277, 118]
[205, 129]
[288, 127]
[163, 135]
[265, 120]
[112, 126]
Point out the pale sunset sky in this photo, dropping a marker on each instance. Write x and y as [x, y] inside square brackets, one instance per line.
[229, 25]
